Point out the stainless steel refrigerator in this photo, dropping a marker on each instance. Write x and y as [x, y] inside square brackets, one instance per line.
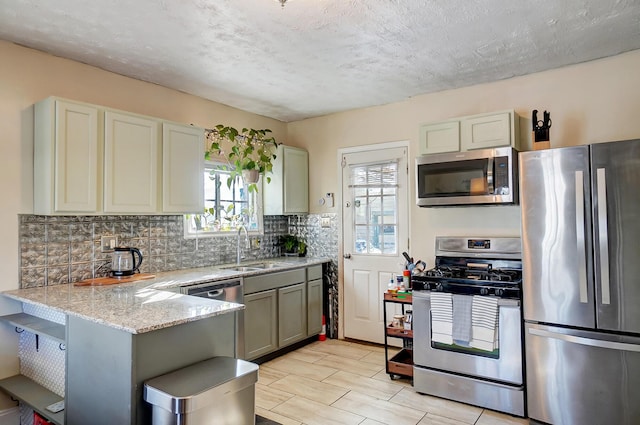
[581, 283]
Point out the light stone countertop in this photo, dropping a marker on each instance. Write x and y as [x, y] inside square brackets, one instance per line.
[148, 305]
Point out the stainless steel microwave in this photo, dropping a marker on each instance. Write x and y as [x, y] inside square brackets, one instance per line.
[478, 177]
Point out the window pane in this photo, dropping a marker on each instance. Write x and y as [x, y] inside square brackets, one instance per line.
[375, 204]
[389, 239]
[360, 210]
[225, 207]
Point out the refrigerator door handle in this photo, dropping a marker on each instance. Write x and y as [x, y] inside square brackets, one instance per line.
[603, 236]
[580, 241]
[621, 346]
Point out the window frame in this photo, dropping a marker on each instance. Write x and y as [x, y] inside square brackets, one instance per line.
[191, 233]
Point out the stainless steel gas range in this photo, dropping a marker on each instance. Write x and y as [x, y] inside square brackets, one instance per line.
[468, 343]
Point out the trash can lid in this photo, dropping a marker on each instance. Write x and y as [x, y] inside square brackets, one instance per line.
[199, 385]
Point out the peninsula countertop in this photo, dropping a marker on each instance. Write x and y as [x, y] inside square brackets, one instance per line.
[148, 305]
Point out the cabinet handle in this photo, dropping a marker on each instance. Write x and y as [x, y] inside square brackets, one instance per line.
[347, 256]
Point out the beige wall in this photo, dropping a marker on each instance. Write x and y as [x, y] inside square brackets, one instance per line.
[591, 102]
[27, 76]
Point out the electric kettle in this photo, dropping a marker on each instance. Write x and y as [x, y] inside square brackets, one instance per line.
[123, 261]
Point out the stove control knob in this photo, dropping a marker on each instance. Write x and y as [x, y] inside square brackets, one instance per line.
[439, 287]
[484, 291]
[499, 292]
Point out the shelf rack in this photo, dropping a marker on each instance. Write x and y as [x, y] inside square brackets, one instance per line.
[402, 363]
[23, 389]
[37, 326]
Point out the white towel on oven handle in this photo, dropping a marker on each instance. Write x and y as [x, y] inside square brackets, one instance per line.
[484, 323]
[462, 319]
[441, 318]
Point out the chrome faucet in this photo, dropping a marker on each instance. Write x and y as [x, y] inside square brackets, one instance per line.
[246, 239]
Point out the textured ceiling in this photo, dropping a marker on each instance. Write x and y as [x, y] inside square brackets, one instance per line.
[315, 57]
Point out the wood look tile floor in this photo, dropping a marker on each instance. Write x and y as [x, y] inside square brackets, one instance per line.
[342, 382]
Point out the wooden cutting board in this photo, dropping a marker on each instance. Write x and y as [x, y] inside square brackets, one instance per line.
[113, 280]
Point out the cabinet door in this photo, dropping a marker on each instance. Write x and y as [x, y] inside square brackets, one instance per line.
[314, 307]
[288, 191]
[296, 181]
[65, 158]
[439, 138]
[292, 314]
[131, 164]
[260, 323]
[183, 168]
[487, 131]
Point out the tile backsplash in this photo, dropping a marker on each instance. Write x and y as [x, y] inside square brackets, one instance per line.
[61, 249]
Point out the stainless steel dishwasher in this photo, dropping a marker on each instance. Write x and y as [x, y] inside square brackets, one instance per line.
[230, 290]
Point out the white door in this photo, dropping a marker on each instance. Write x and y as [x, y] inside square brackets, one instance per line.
[375, 233]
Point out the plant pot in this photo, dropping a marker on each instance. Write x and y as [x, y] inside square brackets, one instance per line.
[251, 176]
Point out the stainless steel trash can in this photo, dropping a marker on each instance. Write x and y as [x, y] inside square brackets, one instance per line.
[218, 391]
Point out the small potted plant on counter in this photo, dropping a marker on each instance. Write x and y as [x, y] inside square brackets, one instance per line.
[290, 245]
[249, 153]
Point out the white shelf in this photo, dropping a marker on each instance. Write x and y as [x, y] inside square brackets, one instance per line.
[35, 395]
[37, 326]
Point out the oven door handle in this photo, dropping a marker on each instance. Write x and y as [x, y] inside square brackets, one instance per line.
[502, 302]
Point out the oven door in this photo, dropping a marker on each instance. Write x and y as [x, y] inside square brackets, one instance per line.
[504, 364]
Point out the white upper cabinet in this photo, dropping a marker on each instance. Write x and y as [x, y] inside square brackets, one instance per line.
[492, 130]
[66, 158]
[439, 137]
[90, 159]
[183, 166]
[130, 164]
[288, 191]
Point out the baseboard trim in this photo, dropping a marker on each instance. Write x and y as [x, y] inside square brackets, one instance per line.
[10, 416]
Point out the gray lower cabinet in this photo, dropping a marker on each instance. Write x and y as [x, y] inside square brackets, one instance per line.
[292, 314]
[314, 307]
[106, 367]
[260, 319]
[281, 308]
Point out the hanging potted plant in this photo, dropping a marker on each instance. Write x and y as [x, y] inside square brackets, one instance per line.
[249, 153]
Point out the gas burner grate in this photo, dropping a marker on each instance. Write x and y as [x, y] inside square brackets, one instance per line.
[496, 275]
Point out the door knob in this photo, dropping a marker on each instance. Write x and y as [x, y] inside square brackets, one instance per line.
[347, 256]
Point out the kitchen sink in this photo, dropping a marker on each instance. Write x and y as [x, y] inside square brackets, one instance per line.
[243, 268]
[256, 266]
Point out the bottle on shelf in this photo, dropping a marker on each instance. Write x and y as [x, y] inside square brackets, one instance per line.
[406, 278]
[392, 288]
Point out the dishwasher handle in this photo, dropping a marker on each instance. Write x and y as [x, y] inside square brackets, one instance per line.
[212, 289]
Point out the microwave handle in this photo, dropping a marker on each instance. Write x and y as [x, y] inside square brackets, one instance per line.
[490, 170]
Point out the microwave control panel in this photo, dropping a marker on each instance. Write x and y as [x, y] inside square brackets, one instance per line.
[501, 175]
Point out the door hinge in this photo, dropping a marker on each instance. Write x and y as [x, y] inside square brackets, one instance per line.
[344, 162]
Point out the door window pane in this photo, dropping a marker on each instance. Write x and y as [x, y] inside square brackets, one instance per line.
[375, 204]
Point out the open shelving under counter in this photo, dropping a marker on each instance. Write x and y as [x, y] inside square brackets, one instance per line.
[401, 364]
[25, 390]
[37, 326]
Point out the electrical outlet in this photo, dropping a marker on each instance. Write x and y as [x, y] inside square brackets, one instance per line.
[325, 222]
[107, 243]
